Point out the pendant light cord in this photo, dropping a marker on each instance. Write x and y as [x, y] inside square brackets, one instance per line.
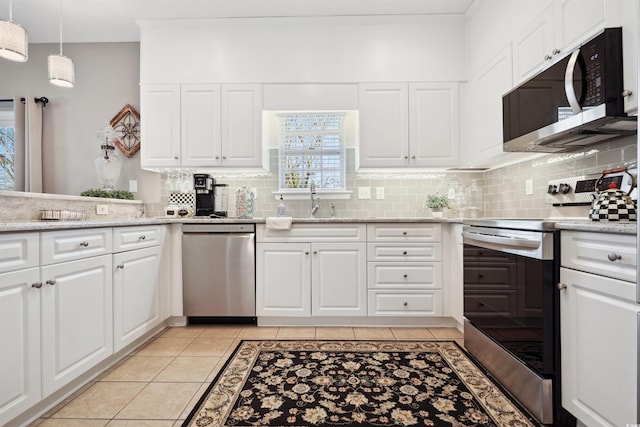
[10, 10]
[60, 27]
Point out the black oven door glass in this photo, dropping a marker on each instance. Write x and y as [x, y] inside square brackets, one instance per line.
[510, 298]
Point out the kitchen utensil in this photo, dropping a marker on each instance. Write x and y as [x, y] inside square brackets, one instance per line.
[613, 204]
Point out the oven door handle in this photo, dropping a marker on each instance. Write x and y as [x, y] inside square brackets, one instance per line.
[500, 240]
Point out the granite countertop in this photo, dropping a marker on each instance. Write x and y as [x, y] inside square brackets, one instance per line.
[561, 224]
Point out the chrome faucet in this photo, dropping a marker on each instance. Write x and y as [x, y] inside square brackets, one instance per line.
[315, 202]
[333, 210]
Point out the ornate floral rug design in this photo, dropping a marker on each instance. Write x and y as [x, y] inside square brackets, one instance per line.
[347, 383]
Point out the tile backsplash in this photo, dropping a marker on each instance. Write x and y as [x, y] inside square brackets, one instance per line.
[503, 189]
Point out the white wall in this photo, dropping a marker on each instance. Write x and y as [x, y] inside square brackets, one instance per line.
[305, 50]
[107, 76]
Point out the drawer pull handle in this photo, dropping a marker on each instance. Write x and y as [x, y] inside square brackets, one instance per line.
[562, 286]
[405, 304]
[614, 256]
[85, 243]
[120, 266]
[315, 252]
[36, 285]
[51, 282]
[404, 233]
[404, 253]
[306, 253]
[142, 237]
[480, 276]
[405, 276]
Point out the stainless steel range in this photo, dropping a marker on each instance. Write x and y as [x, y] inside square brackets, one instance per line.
[511, 306]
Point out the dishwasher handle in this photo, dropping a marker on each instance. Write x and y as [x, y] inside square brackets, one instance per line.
[218, 228]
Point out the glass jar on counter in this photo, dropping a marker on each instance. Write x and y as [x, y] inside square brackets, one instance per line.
[245, 202]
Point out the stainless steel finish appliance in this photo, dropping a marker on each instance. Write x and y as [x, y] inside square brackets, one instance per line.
[512, 312]
[218, 270]
[576, 102]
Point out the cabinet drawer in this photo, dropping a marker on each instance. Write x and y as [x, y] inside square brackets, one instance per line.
[304, 232]
[611, 255]
[67, 245]
[409, 303]
[19, 251]
[501, 276]
[404, 232]
[128, 238]
[476, 254]
[404, 251]
[397, 275]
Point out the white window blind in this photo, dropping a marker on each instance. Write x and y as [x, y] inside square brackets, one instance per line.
[312, 148]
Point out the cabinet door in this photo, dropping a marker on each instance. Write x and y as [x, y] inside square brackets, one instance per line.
[20, 342]
[201, 125]
[160, 126]
[136, 295]
[433, 124]
[77, 319]
[484, 139]
[534, 48]
[242, 125]
[576, 21]
[339, 279]
[599, 330]
[283, 279]
[384, 135]
[629, 21]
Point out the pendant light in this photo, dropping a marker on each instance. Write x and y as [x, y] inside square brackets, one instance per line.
[61, 72]
[13, 39]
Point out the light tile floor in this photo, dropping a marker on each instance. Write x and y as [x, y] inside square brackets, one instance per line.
[159, 383]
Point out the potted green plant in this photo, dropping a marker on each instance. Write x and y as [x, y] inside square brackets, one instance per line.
[437, 203]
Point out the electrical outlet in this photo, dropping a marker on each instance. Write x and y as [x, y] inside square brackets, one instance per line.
[102, 209]
[379, 193]
[528, 187]
[133, 185]
[364, 192]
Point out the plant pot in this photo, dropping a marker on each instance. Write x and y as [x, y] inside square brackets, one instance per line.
[437, 212]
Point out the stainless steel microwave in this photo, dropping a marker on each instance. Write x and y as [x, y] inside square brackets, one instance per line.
[576, 102]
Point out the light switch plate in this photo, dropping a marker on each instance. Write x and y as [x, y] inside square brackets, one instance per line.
[364, 192]
[528, 187]
[133, 185]
[379, 193]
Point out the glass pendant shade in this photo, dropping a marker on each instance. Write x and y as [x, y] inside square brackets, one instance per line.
[61, 72]
[13, 42]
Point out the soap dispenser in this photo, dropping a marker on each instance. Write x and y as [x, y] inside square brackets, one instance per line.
[282, 208]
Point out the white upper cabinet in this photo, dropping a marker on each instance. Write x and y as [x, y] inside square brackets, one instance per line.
[241, 141]
[384, 134]
[433, 124]
[160, 129]
[576, 21]
[200, 119]
[413, 125]
[202, 125]
[534, 48]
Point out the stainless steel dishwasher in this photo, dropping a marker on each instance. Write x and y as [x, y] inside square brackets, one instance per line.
[218, 271]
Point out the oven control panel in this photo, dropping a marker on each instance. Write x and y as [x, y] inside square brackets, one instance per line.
[579, 190]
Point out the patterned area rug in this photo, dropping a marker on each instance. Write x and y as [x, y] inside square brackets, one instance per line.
[353, 383]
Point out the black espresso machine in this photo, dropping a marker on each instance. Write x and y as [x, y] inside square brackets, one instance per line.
[211, 198]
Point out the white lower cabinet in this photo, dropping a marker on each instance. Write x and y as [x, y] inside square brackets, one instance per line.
[599, 329]
[136, 295]
[19, 342]
[77, 319]
[311, 279]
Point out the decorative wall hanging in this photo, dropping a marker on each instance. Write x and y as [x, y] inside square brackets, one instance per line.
[127, 126]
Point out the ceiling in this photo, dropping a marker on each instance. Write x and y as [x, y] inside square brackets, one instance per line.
[87, 21]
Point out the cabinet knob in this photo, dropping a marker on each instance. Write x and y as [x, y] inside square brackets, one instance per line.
[614, 256]
[547, 57]
[562, 286]
[555, 51]
[36, 285]
[315, 252]
[405, 303]
[404, 233]
[142, 237]
[306, 253]
[404, 253]
[176, 157]
[85, 243]
[217, 157]
[406, 157]
[120, 266]
[405, 276]
[413, 157]
[480, 276]
[51, 282]
[224, 157]
[625, 93]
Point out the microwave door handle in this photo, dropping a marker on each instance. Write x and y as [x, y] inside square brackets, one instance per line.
[569, 88]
